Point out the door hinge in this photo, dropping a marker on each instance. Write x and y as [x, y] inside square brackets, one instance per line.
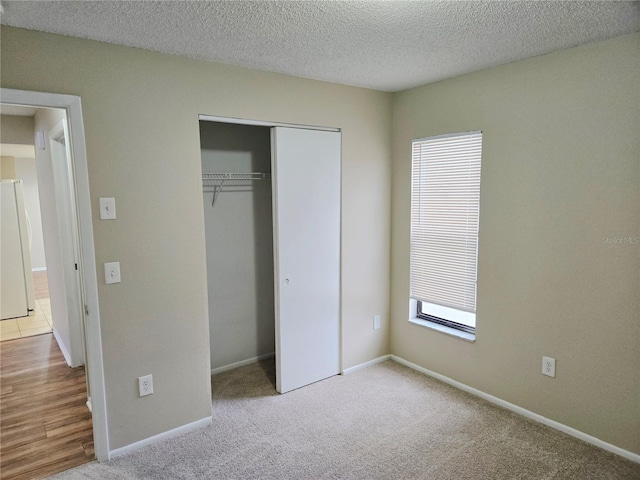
[86, 309]
[76, 266]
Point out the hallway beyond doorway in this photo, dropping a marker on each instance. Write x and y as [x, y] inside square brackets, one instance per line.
[45, 424]
[39, 323]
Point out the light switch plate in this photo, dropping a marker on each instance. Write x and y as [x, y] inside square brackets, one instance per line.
[112, 272]
[107, 208]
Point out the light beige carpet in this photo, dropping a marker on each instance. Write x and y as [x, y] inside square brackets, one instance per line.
[382, 422]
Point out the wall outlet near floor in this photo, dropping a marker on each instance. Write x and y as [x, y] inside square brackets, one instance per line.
[549, 366]
[145, 385]
[377, 322]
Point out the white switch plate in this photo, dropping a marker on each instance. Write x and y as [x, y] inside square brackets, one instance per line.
[112, 272]
[107, 208]
[40, 144]
[376, 322]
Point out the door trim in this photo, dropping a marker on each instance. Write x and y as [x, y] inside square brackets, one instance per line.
[261, 123]
[75, 351]
[95, 369]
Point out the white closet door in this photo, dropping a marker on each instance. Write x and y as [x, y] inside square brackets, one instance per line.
[306, 212]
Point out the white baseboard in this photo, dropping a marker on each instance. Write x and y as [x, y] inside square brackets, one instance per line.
[381, 359]
[161, 436]
[241, 363]
[634, 457]
[39, 269]
[63, 348]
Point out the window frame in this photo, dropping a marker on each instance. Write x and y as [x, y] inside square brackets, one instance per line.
[442, 321]
[418, 306]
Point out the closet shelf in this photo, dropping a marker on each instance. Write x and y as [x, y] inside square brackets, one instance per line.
[217, 181]
[214, 179]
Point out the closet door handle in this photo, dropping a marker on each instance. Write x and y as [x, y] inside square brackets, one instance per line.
[286, 281]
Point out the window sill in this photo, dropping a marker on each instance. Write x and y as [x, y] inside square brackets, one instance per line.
[469, 337]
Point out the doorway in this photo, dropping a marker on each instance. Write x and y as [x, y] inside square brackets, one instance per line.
[47, 227]
[25, 307]
[37, 416]
[236, 183]
[72, 207]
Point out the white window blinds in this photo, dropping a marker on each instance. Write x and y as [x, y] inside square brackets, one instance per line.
[445, 201]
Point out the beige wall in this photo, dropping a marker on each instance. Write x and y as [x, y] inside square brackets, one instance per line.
[16, 129]
[7, 167]
[560, 174]
[141, 120]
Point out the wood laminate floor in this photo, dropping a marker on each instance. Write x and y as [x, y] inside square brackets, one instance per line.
[45, 425]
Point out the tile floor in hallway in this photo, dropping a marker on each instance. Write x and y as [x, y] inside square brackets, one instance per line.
[38, 323]
[28, 326]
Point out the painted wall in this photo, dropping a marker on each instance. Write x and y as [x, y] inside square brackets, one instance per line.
[239, 243]
[16, 129]
[7, 167]
[140, 114]
[560, 180]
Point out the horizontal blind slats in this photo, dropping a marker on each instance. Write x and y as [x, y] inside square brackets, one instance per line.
[445, 199]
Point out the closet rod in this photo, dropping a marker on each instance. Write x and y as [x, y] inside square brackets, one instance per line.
[218, 180]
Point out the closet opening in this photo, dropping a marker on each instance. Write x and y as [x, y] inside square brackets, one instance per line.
[271, 202]
[237, 204]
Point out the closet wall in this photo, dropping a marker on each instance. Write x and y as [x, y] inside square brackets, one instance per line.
[239, 243]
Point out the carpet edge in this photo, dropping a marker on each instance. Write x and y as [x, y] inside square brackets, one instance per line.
[634, 457]
[159, 437]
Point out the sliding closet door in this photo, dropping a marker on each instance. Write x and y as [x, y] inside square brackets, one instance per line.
[306, 211]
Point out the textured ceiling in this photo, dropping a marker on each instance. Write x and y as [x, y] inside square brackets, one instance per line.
[385, 45]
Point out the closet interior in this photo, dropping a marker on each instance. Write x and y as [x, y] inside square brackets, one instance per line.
[237, 196]
[271, 202]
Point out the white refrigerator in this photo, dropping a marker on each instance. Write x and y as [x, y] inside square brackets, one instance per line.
[17, 298]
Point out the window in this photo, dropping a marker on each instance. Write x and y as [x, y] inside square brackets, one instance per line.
[445, 201]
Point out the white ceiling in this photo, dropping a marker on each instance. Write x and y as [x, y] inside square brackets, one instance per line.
[387, 45]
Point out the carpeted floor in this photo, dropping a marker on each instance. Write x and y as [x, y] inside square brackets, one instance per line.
[383, 422]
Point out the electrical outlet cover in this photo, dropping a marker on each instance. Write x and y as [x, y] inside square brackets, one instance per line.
[549, 366]
[145, 385]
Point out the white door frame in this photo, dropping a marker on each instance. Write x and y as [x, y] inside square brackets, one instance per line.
[70, 249]
[87, 263]
[262, 123]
